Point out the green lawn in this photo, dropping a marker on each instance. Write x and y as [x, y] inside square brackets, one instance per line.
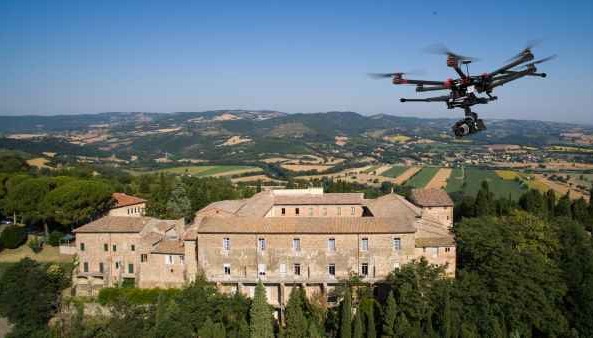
[455, 181]
[474, 178]
[421, 179]
[394, 171]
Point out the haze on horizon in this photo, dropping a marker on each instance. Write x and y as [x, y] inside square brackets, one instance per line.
[68, 57]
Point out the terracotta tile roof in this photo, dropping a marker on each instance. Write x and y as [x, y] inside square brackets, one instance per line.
[169, 246]
[115, 224]
[431, 198]
[392, 205]
[320, 199]
[152, 238]
[325, 225]
[123, 200]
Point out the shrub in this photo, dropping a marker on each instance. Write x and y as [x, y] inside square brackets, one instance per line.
[134, 295]
[55, 237]
[13, 236]
[36, 244]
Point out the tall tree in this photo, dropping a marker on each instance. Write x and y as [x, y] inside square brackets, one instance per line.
[563, 206]
[579, 211]
[389, 316]
[346, 317]
[550, 202]
[296, 322]
[179, 205]
[484, 204]
[26, 198]
[260, 314]
[357, 330]
[576, 260]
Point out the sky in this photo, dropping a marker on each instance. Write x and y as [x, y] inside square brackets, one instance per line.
[69, 57]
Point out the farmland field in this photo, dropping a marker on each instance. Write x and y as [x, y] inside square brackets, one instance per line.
[421, 179]
[455, 181]
[474, 178]
[203, 171]
[394, 171]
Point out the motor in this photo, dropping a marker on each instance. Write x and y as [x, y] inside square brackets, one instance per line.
[468, 126]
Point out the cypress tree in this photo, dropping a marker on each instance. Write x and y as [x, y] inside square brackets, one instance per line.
[550, 202]
[390, 316]
[370, 321]
[579, 210]
[346, 319]
[357, 329]
[484, 201]
[563, 206]
[179, 205]
[260, 325]
[296, 322]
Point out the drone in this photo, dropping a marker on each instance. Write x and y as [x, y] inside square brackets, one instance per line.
[465, 91]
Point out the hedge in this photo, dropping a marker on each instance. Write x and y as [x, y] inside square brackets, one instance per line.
[13, 236]
[134, 295]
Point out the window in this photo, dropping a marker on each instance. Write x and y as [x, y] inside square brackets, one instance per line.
[397, 244]
[182, 259]
[296, 244]
[339, 211]
[117, 265]
[132, 247]
[143, 258]
[114, 248]
[310, 211]
[261, 244]
[169, 259]
[81, 246]
[447, 249]
[352, 211]
[364, 245]
[297, 269]
[227, 269]
[331, 244]
[261, 270]
[226, 244]
[101, 267]
[283, 211]
[130, 268]
[297, 211]
[105, 247]
[282, 268]
[324, 211]
[364, 270]
[85, 267]
[331, 270]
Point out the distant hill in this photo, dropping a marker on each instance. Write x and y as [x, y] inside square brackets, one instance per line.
[203, 134]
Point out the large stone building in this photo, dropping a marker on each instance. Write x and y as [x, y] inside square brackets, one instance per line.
[284, 238]
[126, 205]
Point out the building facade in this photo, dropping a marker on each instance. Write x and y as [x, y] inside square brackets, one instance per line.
[126, 205]
[285, 238]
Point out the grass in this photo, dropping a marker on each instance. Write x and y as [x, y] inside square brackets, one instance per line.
[455, 181]
[473, 181]
[394, 171]
[202, 170]
[48, 254]
[421, 179]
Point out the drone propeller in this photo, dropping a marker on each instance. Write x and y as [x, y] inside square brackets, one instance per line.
[528, 46]
[551, 57]
[443, 50]
[388, 75]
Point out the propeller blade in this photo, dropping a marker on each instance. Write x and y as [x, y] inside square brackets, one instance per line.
[441, 49]
[388, 75]
[528, 46]
[536, 62]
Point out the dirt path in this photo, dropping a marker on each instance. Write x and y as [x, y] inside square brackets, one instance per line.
[401, 179]
[439, 180]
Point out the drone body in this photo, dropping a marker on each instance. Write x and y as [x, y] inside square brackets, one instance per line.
[464, 91]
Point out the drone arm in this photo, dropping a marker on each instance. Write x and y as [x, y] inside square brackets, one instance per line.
[428, 99]
[501, 80]
[530, 74]
[421, 88]
[515, 63]
[418, 82]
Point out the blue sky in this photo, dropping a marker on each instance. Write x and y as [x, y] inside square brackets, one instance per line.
[63, 57]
